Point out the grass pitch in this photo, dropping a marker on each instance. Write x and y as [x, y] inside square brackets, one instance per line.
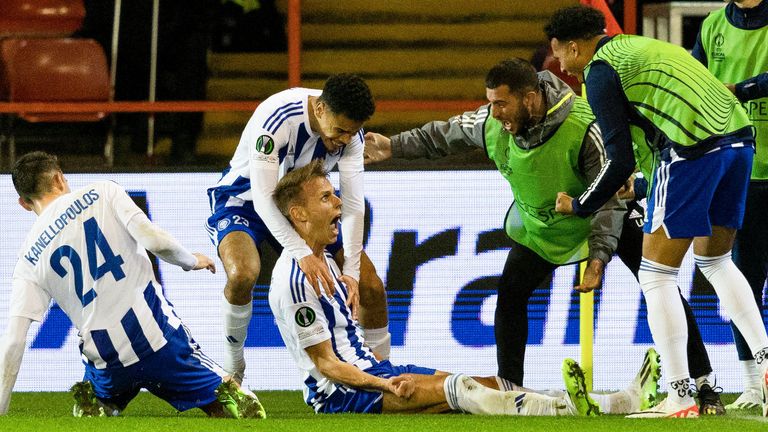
[286, 411]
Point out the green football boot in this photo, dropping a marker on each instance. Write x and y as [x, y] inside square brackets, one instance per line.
[573, 377]
[239, 403]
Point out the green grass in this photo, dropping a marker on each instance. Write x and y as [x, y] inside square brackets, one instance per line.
[50, 412]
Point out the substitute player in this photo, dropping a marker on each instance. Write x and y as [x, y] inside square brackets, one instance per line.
[287, 131]
[86, 252]
[692, 137]
[341, 374]
[732, 44]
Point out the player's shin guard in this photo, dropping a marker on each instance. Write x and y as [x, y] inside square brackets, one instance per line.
[666, 319]
[236, 321]
[379, 341]
[464, 394]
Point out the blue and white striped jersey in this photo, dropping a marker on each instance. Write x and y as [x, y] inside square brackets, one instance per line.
[305, 320]
[80, 254]
[277, 139]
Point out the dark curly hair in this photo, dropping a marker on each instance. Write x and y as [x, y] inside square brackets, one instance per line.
[348, 94]
[574, 23]
[32, 174]
[516, 73]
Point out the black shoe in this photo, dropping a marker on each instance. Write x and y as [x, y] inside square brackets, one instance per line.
[709, 400]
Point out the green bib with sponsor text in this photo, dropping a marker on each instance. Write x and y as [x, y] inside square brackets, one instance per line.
[733, 55]
[536, 176]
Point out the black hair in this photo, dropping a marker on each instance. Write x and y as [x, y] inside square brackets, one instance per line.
[575, 23]
[349, 95]
[32, 174]
[516, 73]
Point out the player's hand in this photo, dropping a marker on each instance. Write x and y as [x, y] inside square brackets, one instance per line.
[564, 203]
[353, 294]
[318, 275]
[377, 148]
[203, 262]
[402, 386]
[627, 192]
[593, 276]
[732, 88]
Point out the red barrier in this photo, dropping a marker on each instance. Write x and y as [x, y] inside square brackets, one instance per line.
[611, 25]
[294, 43]
[212, 106]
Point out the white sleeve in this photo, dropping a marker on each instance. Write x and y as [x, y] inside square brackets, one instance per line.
[304, 314]
[150, 236]
[122, 204]
[161, 243]
[353, 205]
[11, 354]
[264, 166]
[28, 300]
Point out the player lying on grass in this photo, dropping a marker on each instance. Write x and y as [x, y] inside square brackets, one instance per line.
[342, 374]
[86, 252]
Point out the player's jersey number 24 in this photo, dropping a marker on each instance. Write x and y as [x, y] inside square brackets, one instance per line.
[94, 242]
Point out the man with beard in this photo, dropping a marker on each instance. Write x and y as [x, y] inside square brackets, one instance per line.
[541, 136]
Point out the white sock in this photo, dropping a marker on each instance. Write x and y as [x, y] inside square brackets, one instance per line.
[704, 379]
[467, 395]
[379, 341]
[736, 297]
[604, 400]
[761, 361]
[666, 318]
[236, 321]
[506, 385]
[750, 372]
[620, 402]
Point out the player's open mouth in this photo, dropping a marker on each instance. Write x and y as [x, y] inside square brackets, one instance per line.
[507, 125]
[335, 222]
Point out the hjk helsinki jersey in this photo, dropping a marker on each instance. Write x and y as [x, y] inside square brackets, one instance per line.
[80, 254]
[277, 139]
[305, 320]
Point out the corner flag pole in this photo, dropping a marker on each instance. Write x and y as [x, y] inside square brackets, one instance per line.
[586, 329]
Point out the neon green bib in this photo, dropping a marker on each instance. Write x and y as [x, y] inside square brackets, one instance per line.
[672, 90]
[733, 55]
[536, 176]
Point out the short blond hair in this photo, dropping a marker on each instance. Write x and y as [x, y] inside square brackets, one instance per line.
[288, 191]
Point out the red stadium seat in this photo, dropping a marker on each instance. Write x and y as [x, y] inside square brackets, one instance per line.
[54, 70]
[48, 18]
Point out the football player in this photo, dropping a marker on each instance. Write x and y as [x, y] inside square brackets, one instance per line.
[87, 252]
[287, 131]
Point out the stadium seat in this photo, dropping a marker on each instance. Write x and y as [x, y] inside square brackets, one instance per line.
[54, 70]
[46, 18]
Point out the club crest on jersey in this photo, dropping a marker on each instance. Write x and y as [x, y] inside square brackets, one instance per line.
[265, 144]
[305, 316]
[223, 224]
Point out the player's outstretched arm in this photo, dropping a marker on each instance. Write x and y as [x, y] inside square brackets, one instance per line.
[11, 353]
[161, 243]
[377, 148]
